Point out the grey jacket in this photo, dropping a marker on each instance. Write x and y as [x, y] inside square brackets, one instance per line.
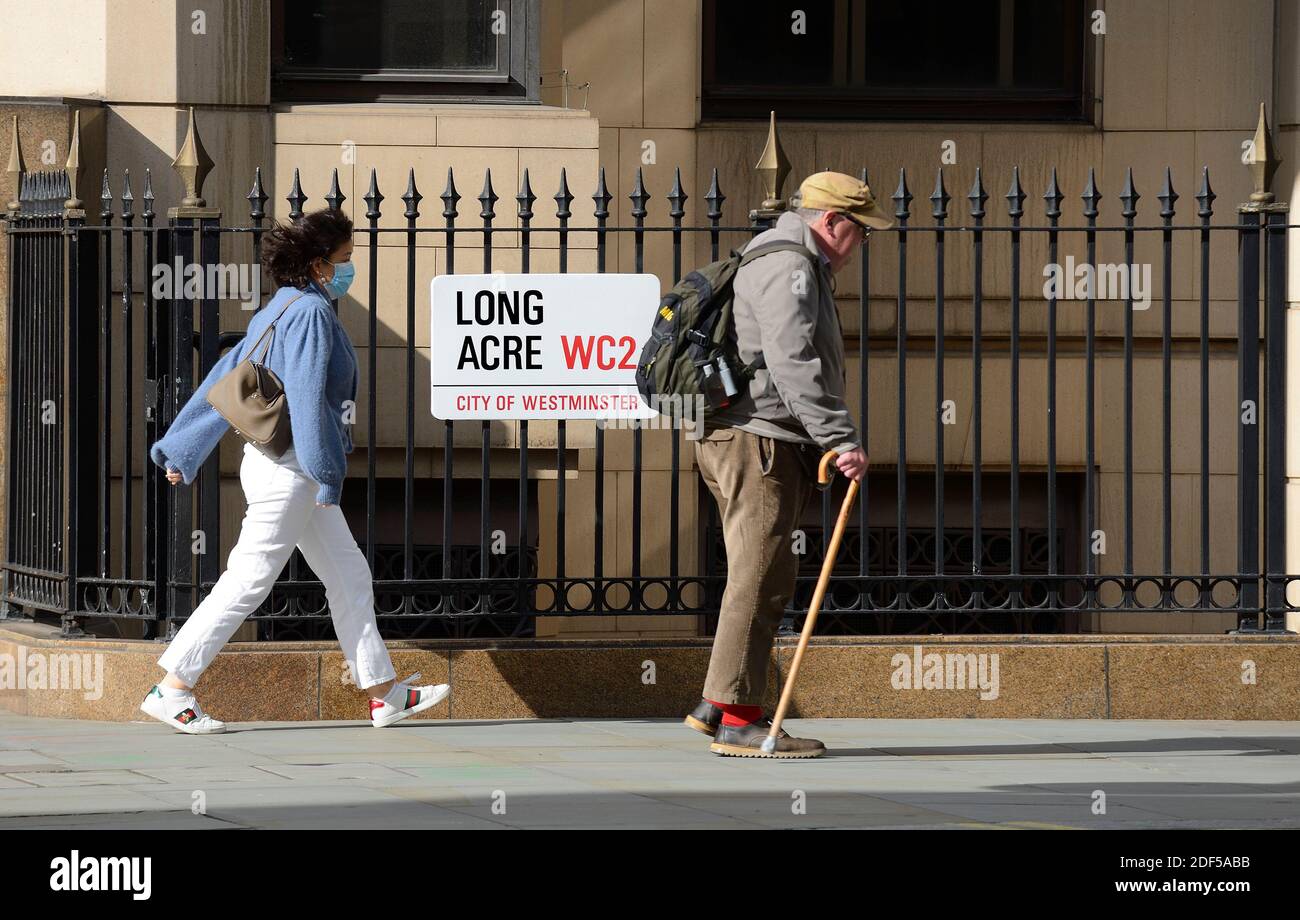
[785, 310]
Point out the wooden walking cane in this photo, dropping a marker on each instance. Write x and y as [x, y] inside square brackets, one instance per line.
[823, 479]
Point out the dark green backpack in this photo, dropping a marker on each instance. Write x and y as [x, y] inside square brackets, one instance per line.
[690, 359]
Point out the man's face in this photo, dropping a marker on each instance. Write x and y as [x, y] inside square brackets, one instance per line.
[840, 237]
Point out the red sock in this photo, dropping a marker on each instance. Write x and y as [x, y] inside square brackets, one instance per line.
[738, 713]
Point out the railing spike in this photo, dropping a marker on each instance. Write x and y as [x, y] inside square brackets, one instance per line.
[411, 196]
[147, 196]
[1091, 195]
[1263, 161]
[295, 197]
[488, 197]
[902, 197]
[677, 197]
[1129, 196]
[602, 196]
[939, 198]
[525, 198]
[1053, 197]
[639, 196]
[563, 198]
[335, 197]
[1205, 197]
[128, 200]
[16, 168]
[1167, 195]
[1015, 195]
[105, 199]
[257, 197]
[715, 198]
[977, 196]
[73, 165]
[450, 197]
[193, 164]
[373, 198]
[773, 167]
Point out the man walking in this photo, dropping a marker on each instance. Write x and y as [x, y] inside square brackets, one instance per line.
[759, 456]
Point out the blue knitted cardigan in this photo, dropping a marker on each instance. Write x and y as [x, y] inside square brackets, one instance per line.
[312, 354]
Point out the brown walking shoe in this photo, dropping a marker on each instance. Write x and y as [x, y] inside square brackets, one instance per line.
[706, 718]
[747, 741]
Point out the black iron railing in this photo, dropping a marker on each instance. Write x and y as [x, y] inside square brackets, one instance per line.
[85, 540]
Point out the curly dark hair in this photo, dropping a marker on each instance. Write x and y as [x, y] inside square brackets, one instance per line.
[288, 249]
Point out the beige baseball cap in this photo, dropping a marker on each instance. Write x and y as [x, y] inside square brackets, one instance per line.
[833, 191]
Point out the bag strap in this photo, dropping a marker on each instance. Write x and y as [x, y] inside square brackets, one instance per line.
[759, 362]
[775, 246]
[698, 333]
[270, 330]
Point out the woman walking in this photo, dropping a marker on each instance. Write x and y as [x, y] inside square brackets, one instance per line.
[292, 501]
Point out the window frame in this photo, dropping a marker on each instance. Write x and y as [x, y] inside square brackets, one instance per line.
[721, 102]
[515, 80]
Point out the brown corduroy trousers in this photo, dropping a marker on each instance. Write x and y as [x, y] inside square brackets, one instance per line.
[760, 485]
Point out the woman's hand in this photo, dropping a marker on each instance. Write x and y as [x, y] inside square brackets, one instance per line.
[175, 477]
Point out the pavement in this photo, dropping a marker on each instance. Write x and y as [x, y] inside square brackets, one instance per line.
[968, 773]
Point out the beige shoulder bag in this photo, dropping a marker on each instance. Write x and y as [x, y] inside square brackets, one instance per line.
[251, 398]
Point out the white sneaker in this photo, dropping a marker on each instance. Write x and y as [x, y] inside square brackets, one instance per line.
[417, 699]
[181, 713]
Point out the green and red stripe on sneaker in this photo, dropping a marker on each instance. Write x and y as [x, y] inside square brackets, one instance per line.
[414, 700]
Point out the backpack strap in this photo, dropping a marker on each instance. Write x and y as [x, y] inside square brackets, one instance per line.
[699, 335]
[775, 246]
[759, 363]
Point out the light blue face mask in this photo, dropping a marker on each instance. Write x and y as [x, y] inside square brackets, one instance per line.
[337, 286]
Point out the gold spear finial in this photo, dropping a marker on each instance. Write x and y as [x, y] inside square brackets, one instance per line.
[193, 164]
[16, 166]
[773, 167]
[73, 166]
[1263, 161]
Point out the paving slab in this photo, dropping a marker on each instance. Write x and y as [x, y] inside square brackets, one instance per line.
[26, 759]
[82, 778]
[139, 821]
[76, 800]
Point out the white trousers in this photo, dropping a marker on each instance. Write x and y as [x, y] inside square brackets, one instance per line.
[282, 514]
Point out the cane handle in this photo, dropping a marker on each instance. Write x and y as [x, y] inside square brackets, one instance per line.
[824, 473]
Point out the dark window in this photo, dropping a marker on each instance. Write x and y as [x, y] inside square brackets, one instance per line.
[1013, 60]
[342, 50]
